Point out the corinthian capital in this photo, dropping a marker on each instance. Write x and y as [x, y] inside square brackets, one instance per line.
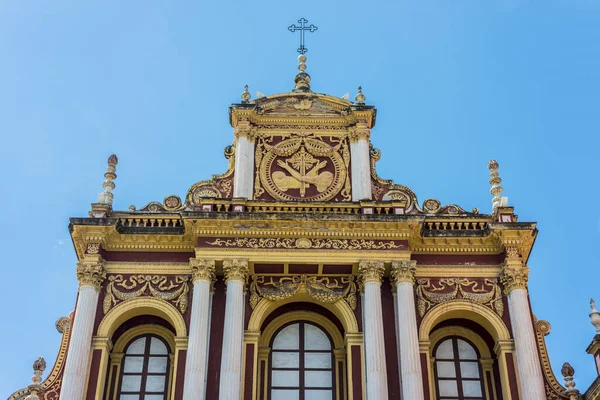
[202, 269]
[235, 269]
[371, 271]
[90, 271]
[244, 129]
[404, 271]
[514, 278]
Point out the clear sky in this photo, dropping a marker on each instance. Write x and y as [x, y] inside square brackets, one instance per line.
[455, 82]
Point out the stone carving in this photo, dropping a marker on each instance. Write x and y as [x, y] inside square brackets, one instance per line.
[203, 269]
[172, 289]
[371, 271]
[90, 273]
[554, 390]
[487, 293]
[404, 271]
[514, 278]
[172, 202]
[92, 248]
[235, 269]
[305, 243]
[322, 288]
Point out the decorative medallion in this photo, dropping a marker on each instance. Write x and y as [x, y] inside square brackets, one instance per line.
[172, 202]
[304, 168]
[431, 206]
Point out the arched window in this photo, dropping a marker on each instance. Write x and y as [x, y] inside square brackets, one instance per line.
[301, 364]
[457, 370]
[144, 374]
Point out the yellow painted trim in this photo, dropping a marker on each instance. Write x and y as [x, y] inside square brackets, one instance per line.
[141, 306]
[501, 348]
[465, 310]
[340, 309]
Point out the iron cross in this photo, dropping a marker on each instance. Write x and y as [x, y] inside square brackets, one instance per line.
[302, 28]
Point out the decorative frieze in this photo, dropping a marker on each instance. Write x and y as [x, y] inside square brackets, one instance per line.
[404, 271]
[431, 293]
[371, 271]
[173, 289]
[203, 268]
[235, 269]
[305, 243]
[324, 289]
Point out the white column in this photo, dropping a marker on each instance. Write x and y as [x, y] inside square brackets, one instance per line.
[91, 274]
[243, 180]
[372, 272]
[236, 272]
[203, 274]
[514, 277]
[360, 163]
[403, 275]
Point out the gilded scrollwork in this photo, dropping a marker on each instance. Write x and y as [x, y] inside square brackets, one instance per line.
[487, 293]
[514, 277]
[305, 243]
[90, 271]
[173, 289]
[324, 289]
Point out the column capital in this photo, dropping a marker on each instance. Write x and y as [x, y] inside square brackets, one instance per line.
[371, 271]
[514, 277]
[202, 269]
[90, 271]
[235, 269]
[245, 129]
[404, 271]
[360, 131]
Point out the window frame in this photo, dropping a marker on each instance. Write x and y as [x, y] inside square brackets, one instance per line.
[302, 389]
[457, 360]
[144, 374]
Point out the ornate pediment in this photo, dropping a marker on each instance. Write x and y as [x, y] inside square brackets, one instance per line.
[301, 105]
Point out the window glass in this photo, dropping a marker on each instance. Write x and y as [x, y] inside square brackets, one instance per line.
[301, 364]
[457, 371]
[144, 372]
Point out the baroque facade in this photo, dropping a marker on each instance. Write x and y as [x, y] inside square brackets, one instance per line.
[299, 273]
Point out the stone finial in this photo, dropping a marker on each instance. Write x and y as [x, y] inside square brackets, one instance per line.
[495, 181]
[106, 197]
[302, 79]
[595, 316]
[39, 366]
[360, 97]
[567, 372]
[245, 95]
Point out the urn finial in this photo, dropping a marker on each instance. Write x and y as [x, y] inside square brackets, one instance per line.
[106, 197]
[567, 372]
[495, 181]
[360, 97]
[39, 366]
[245, 95]
[595, 316]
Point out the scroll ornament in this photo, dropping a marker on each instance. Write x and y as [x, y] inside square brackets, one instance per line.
[323, 289]
[305, 243]
[171, 289]
[487, 293]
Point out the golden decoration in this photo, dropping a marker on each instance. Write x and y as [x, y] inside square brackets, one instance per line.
[91, 273]
[203, 268]
[371, 271]
[404, 271]
[92, 248]
[487, 293]
[322, 288]
[305, 243]
[514, 277]
[235, 269]
[554, 390]
[173, 289]
[287, 170]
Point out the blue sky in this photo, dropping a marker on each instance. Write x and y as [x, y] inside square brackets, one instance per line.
[455, 82]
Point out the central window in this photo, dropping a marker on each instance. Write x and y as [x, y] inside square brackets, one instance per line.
[301, 364]
[457, 371]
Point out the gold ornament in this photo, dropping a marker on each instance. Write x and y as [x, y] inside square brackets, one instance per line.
[487, 293]
[514, 277]
[203, 268]
[305, 243]
[91, 273]
[173, 289]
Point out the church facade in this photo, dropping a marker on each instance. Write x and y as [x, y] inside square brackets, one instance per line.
[299, 273]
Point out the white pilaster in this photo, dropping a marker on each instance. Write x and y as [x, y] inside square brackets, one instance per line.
[230, 388]
[90, 273]
[243, 180]
[197, 354]
[372, 272]
[514, 277]
[360, 163]
[403, 275]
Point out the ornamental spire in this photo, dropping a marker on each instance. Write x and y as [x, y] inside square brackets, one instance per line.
[106, 197]
[39, 366]
[360, 97]
[567, 372]
[496, 189]
[302, 79]
[595, 316]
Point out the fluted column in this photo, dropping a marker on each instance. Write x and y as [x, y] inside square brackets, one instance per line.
[372, 272]
[91, 274]
[360, 162]
[403, 276]
[243, 180]
[203, 275]
[514, 277]
[236, 273]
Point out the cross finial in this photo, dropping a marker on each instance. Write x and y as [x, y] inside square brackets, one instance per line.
[303, 27]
